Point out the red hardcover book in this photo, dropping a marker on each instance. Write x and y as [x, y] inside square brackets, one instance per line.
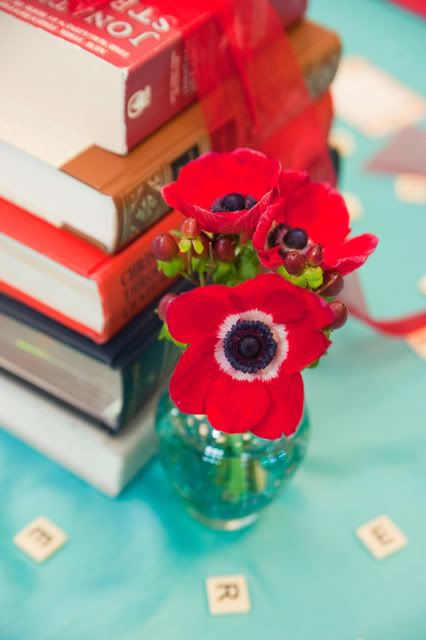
[135, 53]
[74, 282]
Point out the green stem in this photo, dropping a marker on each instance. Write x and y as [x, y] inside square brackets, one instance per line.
[185, 275]
[237, 475]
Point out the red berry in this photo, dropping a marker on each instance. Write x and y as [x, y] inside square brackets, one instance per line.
[314, 255]
[332, 284]
[224, 249]
[295, 263]
[341, 315]
[164, 247]
[190, 228]
[163, 304]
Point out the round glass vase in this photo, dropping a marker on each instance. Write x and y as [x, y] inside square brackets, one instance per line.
[225, 480]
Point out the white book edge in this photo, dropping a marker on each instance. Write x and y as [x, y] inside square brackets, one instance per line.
[32, 152]
[56, 81]
[104, 461]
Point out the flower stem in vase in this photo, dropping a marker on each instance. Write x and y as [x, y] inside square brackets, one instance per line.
[239, 473]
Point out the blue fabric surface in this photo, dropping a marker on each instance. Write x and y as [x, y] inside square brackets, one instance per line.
[135, 567]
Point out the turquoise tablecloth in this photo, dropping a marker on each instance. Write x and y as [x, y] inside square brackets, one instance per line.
[135, 567]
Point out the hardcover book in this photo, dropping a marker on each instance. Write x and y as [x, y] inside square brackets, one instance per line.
[107, 462]
[73, 282]
[136, 53]
[110, 199]
[108, 383]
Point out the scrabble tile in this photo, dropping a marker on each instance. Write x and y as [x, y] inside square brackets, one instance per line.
[411, 188]
[381, 537]
[354, 205]
[343, 140]
[227, 595]
[417, 341]
[40, 539]
[422, 284]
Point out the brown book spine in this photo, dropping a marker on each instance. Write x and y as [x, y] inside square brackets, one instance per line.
[141, 204]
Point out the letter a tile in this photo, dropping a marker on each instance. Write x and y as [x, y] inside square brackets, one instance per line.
[40, 539]
[227, 595]
[381, 537]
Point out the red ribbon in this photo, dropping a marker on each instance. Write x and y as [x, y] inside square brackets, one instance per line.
[244, 65]
[401, 327]
[245, 41]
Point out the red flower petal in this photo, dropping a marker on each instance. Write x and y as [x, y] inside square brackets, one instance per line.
[191, 379]
[291, 181]
[319, 313]
[198, 313]
[234, 406]
[320, 210]
[304, 347]
[272, 294]
[351, 254]
[212, 176]
[274, 213]
[313, 206]
[215, 174]
[285, 414]
[231, 222]
[286, 302]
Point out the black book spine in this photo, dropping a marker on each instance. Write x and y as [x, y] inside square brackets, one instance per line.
[144, 375]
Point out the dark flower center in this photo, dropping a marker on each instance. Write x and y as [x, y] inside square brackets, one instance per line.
[233, 202]
[250, 346]
[276, 235]
[296, 238]
[287, 238]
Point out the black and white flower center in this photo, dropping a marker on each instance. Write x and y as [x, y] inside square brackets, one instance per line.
[233, 202]
[249, 346]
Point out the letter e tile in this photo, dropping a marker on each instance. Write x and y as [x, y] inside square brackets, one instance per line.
[40, 539]
[381, 537]
[227, 595]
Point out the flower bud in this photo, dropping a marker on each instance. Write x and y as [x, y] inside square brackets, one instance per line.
[295, 263]
[164, 247]
[224, 249]
[340, 311]
[314, 255]
[190, 228]
[163, 304]
[332, 284]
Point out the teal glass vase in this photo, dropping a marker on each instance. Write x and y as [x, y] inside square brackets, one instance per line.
[225, 480]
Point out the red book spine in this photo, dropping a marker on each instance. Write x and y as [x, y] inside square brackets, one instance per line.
[156, 91]
[131, 281]
[126, 282]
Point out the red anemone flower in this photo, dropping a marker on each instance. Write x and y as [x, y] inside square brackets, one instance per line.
[310, 213]
[225, 192]
[247, 346]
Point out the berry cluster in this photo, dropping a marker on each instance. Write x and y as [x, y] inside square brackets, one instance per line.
[302, 265]
[205, 257]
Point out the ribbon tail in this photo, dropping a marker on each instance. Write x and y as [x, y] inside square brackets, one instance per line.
[401, 327]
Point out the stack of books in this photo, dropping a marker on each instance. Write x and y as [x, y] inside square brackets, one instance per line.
[97, 113]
